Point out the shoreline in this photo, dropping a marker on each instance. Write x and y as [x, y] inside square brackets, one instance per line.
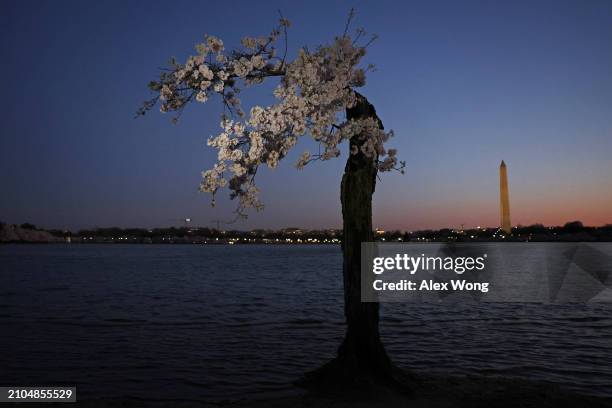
[434, 392]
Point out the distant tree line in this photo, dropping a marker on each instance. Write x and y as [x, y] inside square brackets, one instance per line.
[203, 234]
[570, 232]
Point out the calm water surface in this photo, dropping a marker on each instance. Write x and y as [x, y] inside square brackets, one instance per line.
[227, 322]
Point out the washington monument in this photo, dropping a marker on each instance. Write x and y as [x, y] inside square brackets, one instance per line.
[504, 199]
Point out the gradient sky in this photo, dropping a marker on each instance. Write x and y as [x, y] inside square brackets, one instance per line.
[464, 84]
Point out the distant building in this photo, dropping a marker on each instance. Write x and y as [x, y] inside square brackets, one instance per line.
[504, 199]
[292, 230]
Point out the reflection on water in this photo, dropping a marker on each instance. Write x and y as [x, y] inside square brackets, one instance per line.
[219, 322]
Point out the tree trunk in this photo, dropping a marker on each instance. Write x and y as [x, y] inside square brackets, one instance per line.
[361, 349]
[362, 363]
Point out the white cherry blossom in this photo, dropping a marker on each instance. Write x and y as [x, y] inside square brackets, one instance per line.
[312, 95]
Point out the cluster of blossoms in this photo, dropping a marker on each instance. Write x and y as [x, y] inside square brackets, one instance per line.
[314, 90]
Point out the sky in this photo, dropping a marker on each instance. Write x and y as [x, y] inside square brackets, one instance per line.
[463, 85]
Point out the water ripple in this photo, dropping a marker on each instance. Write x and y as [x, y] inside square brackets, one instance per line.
[195, 323]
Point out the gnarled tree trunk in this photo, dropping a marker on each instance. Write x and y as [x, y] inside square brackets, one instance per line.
[362, 361]
[362, 349]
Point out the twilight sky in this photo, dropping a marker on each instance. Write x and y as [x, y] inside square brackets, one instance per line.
[463, 84]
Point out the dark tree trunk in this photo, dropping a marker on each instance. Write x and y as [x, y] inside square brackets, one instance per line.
[362, 362]
[362, 349]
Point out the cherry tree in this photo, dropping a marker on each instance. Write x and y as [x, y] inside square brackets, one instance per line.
[315, 96]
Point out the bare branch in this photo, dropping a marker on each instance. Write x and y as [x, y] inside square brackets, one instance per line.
[348, 21]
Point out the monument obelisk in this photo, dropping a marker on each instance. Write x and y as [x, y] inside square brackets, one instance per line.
[504, 199]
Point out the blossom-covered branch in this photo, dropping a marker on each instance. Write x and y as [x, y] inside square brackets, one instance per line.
[313, 92]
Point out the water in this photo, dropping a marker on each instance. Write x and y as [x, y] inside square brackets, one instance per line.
[227, 322]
